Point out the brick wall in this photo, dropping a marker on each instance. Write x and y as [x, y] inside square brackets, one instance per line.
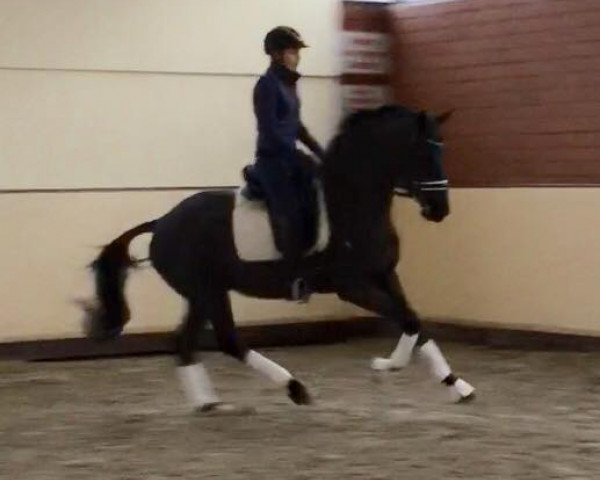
[524, 78]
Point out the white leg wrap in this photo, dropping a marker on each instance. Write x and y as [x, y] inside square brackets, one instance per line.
[197, 386]
[438, 365]
[400, 357]
[431, 353]
[276, 373]
[461, 390]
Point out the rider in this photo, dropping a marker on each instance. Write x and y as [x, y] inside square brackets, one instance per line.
[278, 162]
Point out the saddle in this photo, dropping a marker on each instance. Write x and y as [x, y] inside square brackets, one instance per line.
[254, 192]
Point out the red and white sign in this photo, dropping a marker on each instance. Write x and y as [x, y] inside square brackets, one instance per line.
[358, 97]
[366, 52]
[366, 55]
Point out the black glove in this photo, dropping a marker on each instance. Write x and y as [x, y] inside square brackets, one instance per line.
[307, 139]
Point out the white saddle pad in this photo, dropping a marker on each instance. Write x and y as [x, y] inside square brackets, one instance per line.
[253, 235]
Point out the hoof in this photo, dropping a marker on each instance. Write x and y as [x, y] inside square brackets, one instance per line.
[223, 410]
[462, 392]
[468, 399]
[380, 364]
[298, 393]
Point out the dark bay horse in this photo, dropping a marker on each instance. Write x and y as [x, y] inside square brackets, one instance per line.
[375, 154]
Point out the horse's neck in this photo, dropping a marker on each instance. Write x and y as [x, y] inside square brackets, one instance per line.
[355, 216]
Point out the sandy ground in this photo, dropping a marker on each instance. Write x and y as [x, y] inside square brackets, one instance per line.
[537, 416]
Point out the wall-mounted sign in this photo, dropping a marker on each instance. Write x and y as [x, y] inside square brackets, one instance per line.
[357, 97]
[365, 52]
[366, 55]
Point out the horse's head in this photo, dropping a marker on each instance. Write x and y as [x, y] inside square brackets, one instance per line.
[391, 149]
[423, 176]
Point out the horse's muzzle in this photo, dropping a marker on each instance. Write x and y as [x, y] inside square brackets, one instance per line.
[434, 203]
[436, 215]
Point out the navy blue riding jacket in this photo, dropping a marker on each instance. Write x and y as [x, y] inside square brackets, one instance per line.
[277, 110]
[281, 170]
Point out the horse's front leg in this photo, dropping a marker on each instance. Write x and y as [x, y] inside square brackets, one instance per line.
[384, 295]
[409, 322]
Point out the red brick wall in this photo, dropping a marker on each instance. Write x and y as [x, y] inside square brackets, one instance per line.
[524, 78]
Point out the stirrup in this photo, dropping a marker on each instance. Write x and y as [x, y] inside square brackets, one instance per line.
[300, 290]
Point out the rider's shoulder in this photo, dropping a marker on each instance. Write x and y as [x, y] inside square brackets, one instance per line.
[266, 81]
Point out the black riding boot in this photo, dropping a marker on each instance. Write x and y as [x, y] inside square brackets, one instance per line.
[300, 290]
[289, 243]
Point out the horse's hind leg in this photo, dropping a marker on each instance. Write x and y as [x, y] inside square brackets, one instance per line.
[229, 342]
[194, 378]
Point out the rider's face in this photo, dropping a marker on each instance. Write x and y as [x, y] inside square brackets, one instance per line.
[290, 58]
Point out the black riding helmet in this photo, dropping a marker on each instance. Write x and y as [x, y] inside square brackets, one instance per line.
[282, 38]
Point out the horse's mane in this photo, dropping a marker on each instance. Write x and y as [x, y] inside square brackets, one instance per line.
[362, 117]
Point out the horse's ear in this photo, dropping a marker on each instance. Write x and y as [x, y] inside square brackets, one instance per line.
[444, 117]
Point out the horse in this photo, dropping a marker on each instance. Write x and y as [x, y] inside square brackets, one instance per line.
[375, 155]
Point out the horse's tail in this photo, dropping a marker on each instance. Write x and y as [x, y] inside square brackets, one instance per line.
[106, 316]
